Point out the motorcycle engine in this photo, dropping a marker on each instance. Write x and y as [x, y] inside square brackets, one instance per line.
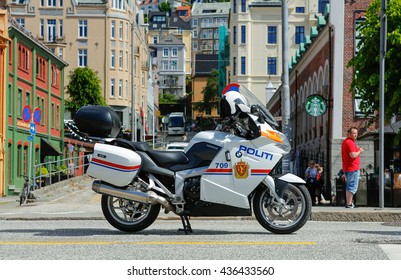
[192, 190]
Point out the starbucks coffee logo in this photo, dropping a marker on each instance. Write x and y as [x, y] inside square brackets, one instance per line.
[315, 105]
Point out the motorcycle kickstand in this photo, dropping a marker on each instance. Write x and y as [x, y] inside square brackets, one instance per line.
[186, 225]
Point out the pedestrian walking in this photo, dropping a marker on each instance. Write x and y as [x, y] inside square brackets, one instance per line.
[351, 162]
[311, 174]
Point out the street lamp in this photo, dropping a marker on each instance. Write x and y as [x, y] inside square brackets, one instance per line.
[285, 83]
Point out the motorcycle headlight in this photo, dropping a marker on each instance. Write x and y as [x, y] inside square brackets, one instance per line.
[281, 141]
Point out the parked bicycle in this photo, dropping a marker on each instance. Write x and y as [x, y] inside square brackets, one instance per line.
[26, 191]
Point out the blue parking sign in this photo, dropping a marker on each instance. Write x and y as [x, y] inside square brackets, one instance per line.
[32, 128]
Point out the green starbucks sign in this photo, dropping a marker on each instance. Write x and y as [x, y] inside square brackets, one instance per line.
[315, 105]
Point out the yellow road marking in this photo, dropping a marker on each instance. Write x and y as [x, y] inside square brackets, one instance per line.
[155, 243]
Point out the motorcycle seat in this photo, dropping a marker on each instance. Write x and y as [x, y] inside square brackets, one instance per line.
[167, 158]
[162, 158]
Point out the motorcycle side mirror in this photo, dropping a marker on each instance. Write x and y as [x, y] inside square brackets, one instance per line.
[255, 109]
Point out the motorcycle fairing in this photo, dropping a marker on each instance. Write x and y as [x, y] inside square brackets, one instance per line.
[230, 179]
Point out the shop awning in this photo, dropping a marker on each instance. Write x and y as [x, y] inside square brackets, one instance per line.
[47, 149]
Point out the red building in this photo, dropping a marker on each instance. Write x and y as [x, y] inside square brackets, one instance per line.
[34, 105]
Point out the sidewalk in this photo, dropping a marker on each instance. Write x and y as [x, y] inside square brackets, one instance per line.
[75, 200]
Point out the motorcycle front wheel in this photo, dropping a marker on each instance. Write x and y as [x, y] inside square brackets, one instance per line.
[284, 216]
[127, 215]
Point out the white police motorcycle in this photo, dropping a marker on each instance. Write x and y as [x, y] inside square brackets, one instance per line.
[226, 172]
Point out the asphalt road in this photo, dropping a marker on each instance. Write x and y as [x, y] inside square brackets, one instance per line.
[212, 239]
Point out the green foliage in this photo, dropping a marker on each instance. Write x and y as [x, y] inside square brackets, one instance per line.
[366, 63]
[168, 98]
[210, 93]
[164, 7]
[42, 171]
[84, 89]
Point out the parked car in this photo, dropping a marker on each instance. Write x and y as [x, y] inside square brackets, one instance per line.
[176, 146]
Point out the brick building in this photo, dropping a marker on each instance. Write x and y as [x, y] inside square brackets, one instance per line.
[319, 68]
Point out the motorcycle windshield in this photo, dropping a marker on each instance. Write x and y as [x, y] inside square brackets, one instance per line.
[249, 99]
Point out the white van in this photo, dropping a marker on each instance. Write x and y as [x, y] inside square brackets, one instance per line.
[176, 124]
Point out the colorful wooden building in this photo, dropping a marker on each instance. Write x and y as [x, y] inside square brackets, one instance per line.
[34, 88]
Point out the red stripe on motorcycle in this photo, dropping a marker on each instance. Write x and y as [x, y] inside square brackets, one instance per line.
[263, 171]
[219, 170]
[116, 165]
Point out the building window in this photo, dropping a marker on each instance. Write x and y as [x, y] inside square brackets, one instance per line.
[19, 103]
[82, 57]
[234, 66]
[42, 28]
[235, 6]
[165, 52]
[195, 34]
[174, 52]
[23, 58]
[113, 59]
[174, 65]
[60, 53]
[299, 34]
[195, 22]
[300, 10]
[60, 28]
[83, 28]
[112, 87]
[243, 6]
[154, 39]
[272, 35]
[243, 34]
[58, 117]
[51, 30]
[272, 66]
[113, 29]
[243, 65]
[51, 3]
[120, 60]
[165, 64]
[322, 5]
[234, 35]
[52, 121]
[21, 21]
[121, 31]
[120, 89]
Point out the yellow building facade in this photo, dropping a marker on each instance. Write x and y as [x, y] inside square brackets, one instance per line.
[3, 50]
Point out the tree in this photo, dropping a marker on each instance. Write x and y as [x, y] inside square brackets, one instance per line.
[167, 98]
[164, 7]
[210, 93]
[366, 78]
[83, 89]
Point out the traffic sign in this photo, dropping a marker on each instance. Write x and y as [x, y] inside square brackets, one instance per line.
[32, 128]
[30, 138]
[37, 115]
[26, 113]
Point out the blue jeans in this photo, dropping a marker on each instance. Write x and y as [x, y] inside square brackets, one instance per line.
[352, 181]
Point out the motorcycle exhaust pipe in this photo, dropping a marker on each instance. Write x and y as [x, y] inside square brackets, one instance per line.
[149, 197]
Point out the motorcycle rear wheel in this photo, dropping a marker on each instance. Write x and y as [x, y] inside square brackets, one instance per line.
[128, 216]
[286, 216]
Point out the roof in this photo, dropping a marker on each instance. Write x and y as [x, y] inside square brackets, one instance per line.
[265, 3]
[211, 9]
[205, 63]
[92, 2]
[170, 40]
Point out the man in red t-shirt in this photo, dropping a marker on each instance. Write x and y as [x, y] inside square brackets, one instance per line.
[351, 153]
